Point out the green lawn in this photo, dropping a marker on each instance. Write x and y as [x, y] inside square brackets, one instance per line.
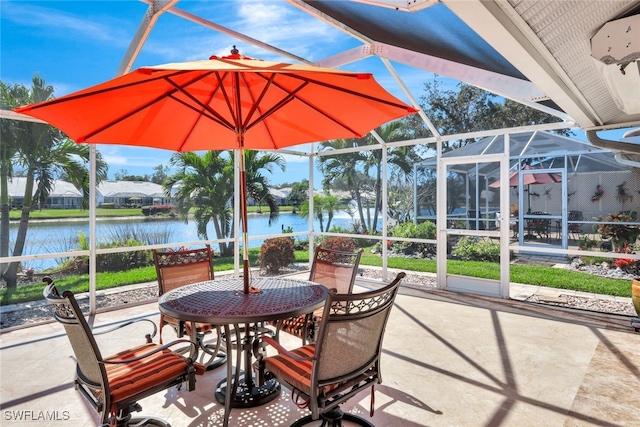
[534, 275]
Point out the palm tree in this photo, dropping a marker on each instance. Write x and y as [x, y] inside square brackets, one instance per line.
[400, 157]
[323, 203]
[341, 170]
[344, 168]
[44, 153]
[8, 151]
[204, 184]
[257, 183]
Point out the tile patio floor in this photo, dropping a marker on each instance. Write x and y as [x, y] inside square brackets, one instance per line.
[449, 360]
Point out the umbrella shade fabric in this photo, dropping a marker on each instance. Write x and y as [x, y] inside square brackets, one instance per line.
[530, 178]
[230, 102]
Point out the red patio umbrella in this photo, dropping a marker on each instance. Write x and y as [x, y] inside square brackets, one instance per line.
[230, 102]
[530, 179]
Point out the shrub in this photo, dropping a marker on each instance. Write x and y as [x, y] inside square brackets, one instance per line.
[470, 249]
[586, 243]
[289, 230]
[424, 230]
[619, 233]
[123, 261]
[120, 261]
[276, 253]
[161, 209]
[627, 265]
[339, 244]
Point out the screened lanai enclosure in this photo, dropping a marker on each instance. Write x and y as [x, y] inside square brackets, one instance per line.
[560, 188]
[537, 54]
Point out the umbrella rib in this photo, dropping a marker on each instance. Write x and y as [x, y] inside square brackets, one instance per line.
[292, 95]
[257, 102]
[73, 97]
[226, 99]
[351, 92]
[142, 107]
[214, 115]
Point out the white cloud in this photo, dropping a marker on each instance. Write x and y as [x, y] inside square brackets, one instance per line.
[286, 27]
[57, 23]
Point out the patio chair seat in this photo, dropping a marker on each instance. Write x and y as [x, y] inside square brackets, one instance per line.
[114, 385]
[298, 372]
[129, 379]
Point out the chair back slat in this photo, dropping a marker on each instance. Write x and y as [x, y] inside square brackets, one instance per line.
[85, 349]
[357, 338]
[350, 336]
[335, 269]
[179, 268]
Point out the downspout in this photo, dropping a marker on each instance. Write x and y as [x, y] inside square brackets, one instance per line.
[608, 144]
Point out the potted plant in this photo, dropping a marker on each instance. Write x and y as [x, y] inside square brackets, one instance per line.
[621, 235]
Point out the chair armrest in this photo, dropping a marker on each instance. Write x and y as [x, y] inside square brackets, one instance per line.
[148, 337]
[282, 350]
[147, 354]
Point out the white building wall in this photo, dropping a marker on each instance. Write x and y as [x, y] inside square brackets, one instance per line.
[582, 187]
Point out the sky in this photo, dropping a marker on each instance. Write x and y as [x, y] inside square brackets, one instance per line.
[77, 44]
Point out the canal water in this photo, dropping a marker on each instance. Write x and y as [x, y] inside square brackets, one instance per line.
[45, 237]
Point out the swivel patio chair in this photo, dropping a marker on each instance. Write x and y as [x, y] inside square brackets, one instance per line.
[344, 360]
[183, 267]
[113, 385]
[333, 269]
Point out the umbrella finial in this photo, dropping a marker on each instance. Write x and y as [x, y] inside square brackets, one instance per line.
[234, 51]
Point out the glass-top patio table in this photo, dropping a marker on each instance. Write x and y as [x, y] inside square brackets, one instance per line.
[222, 302]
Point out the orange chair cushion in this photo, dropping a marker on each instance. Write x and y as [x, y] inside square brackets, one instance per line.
[297, 373]
[129, 379]
[295, 325]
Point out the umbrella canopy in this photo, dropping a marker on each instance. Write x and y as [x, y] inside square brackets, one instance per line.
[223, 103]
[530, 178]
[230, 102]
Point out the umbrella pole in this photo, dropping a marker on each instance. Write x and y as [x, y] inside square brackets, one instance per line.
[243, 211]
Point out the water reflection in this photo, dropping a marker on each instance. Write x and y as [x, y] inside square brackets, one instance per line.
[51, 236]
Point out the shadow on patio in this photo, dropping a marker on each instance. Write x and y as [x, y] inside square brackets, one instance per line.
[449, 360]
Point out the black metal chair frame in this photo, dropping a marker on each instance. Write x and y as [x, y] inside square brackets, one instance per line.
[210, 355]
[539, 226]
[91, 373]
[331, 386]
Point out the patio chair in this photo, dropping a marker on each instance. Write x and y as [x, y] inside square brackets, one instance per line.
[113, 385]
[539, 226]
[183, 267]
[333, 269]
[574, 229]
[344, 360]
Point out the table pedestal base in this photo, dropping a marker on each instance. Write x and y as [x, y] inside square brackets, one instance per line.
[249, 396]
